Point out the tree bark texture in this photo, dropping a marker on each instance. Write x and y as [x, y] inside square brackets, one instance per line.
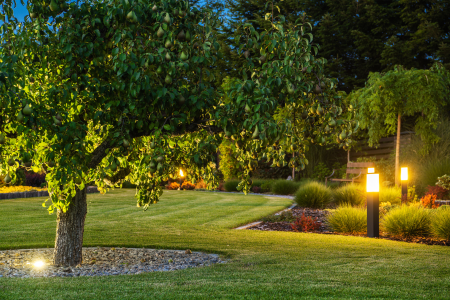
[69, 232]
[397, 152]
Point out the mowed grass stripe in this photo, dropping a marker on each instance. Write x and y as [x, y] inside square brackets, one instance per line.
[263, 265]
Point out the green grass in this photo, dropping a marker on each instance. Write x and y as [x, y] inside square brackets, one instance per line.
[263, 265]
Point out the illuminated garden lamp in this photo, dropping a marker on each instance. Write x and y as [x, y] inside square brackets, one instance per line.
[181, 178]
[404, 180]
[370, 170]
[373, 190]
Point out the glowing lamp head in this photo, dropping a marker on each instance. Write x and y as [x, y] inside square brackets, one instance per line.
[371, 170]
[181, 173]
[373, 183]
[38, 264]
[404, 174]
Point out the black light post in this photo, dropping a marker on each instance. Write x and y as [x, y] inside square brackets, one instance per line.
[373, 202]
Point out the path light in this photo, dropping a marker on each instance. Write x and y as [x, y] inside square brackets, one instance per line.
[181, 179]
[371, 170]
[373, 191]
[404, 180]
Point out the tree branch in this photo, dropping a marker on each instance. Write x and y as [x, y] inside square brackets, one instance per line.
[99, 153]
[118, 176]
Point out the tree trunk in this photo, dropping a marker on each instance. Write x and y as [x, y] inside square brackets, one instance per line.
[69, 232]
[293, 168]
[397, 152]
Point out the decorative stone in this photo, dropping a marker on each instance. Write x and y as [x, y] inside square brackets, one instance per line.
[102, 262]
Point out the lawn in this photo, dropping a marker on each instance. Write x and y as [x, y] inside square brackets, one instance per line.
[263, 265]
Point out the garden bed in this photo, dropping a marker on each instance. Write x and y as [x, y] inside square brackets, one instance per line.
[31, 194]
[297, 212]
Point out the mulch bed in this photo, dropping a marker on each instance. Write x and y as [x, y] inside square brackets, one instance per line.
[324, 229]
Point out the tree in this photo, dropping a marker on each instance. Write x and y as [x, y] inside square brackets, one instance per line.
[359, 36]
[107, 91]
[387, 97]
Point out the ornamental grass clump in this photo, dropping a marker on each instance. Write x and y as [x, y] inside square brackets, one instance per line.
[284, 187]
[440, 223]
[407, 221]
[348, 219]
[392, 195]
[313, 195]
[349, 194]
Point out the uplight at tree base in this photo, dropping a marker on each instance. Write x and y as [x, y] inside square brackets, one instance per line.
[39, 264]
[373, 183]
[404, 174]
[181, 173]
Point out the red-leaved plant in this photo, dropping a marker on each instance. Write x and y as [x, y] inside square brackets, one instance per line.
[440, 192]
[173, 186]
[305, 224]
[428, 201]
[187, 186]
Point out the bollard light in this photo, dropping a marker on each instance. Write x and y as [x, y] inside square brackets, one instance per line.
[404, 174]
[404, 181]
[373, 183]
[370, 170]
[373, 203]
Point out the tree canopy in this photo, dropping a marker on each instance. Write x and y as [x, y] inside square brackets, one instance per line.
[387, 97]
[98, 92]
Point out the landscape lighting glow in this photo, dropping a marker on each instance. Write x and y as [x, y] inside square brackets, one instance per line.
[373, 183]
[404, 174]
[371, 170]
[38, 264]
[181, 173]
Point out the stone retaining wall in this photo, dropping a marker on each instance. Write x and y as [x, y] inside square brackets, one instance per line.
[443, 202]
[30, 194]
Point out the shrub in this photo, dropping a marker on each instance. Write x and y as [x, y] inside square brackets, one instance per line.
[267, 186]
[407, 221]
[201, 184]
[440, 223]
[444, 182]
[256, 189]
[187, 185]
[440, 192]
[391, 194]
[284, 187]
[33, 179]
[428, 201]
[347, 219]
[349, 194]
[231, 185]
[173, 186]
[221, 186]
[313, 195]
[444, 207]
[305, 224]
